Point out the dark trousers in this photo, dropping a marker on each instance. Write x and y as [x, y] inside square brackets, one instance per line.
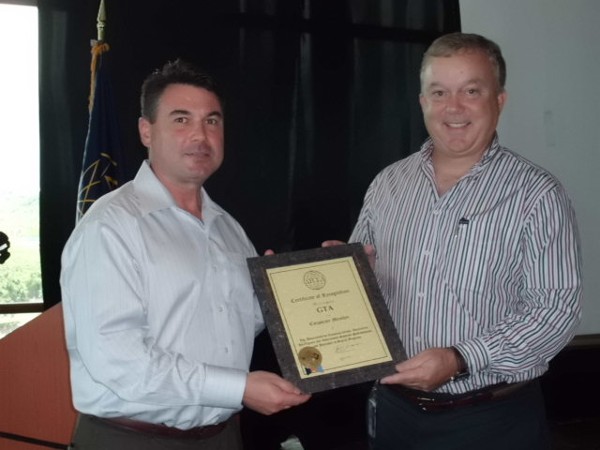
[92, 433]
[515, 422]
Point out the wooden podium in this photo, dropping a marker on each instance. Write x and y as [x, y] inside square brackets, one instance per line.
[36, 411]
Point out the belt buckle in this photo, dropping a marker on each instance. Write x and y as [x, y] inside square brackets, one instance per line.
[429, 404]
[426, 403]
[432, 407]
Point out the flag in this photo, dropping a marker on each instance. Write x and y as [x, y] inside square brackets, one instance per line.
[102, 168]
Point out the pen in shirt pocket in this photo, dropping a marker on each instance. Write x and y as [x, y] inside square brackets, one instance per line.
[462, 224]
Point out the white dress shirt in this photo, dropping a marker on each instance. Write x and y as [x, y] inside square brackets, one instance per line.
[492, 266]
[160, 313]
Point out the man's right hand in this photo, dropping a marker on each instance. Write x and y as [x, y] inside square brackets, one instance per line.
[332, 243]
[268, 393]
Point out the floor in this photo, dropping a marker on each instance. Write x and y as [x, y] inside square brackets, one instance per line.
[576, 434]
[572, 394]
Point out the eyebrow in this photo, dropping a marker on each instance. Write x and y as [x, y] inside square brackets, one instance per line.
[218, 114]
[180, 112]
[185, 112]
[436, 84]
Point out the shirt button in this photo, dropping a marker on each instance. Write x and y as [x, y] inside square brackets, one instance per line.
[417, 338]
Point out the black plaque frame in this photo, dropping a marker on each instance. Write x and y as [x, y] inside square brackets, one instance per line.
[258, 267]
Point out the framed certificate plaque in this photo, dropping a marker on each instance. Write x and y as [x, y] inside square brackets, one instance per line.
[326, 317]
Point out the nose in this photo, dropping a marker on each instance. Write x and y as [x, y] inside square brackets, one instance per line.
[454, 103]
[199, 132]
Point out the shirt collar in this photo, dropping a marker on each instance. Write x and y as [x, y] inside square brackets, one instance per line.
[488, 154]
[154, 196]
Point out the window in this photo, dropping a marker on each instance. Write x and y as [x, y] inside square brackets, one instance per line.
[20, 274]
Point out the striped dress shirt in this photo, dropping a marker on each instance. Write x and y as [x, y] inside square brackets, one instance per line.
[491, 267]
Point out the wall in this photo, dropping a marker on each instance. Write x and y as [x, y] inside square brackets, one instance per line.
[552, 116]
[35, 391]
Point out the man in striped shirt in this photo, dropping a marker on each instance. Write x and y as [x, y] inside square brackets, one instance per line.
[477, 256]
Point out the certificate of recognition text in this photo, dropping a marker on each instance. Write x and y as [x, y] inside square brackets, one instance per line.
[327, 316]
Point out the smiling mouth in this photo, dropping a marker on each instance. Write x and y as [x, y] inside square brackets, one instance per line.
[457, 125]
[199, 153]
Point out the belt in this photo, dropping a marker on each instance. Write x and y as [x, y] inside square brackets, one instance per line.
[430, 401]
[204, 432]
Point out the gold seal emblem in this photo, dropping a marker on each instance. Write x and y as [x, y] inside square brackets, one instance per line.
[311, 359]
[314, 280]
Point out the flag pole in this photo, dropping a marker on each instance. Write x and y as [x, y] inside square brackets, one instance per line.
[98, 47]
[101, 21]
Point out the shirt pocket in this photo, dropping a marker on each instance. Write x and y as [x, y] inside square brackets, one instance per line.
[239, 287]
[466, 261]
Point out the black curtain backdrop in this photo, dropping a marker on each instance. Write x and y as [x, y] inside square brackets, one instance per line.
[319, 97]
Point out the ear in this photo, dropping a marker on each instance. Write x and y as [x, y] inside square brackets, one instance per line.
[145, 128]
[502, 96]
[422, 101]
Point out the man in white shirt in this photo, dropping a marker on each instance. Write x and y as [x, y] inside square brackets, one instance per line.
[159, 310]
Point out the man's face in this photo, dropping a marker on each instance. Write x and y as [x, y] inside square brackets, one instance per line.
[461, 103]
[185, 142]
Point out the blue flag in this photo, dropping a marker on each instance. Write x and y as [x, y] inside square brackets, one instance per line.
[102, 169]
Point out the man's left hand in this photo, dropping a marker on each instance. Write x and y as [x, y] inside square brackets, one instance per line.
[268, 393]
[426, 371]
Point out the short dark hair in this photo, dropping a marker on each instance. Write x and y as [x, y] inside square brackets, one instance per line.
[176, 72]
[453, 43]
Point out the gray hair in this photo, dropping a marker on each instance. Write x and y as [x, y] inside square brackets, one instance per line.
[453, 43]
